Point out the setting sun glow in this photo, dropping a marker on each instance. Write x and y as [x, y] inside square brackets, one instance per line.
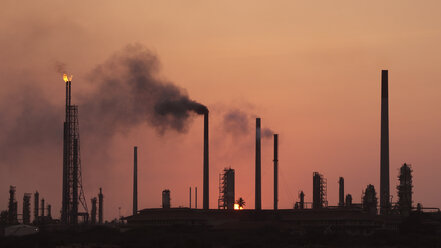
[237, 207]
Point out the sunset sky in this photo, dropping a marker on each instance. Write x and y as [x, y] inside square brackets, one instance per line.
[310, 69]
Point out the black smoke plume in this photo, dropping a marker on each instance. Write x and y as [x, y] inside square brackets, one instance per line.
[129, 92]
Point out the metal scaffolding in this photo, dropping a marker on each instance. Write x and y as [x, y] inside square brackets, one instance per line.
[73, 193]
[226, 189]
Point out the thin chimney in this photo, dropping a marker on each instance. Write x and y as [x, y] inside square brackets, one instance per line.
[276, 164]
[135, 180]
[384, 154]
[42, 207]
[196, 197]
[206, 181]
[258, 200]
[341, 198]
[190, 198]
[100, 207]
[36, 203]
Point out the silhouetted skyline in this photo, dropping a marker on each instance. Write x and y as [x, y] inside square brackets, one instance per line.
[310, 71]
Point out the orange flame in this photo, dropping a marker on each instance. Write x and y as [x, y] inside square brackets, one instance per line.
[67, 78]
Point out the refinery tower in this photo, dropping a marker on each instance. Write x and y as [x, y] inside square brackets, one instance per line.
[72, 194]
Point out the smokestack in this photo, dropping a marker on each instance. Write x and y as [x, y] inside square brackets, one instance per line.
[36, 202]
[276, 164]
[384, 154]
[190, 198]
[66, 157]
[341, 198]
[12, 206]
[135, 180]
[49, 211]
[206, 186]
[196, 197]
[302, 200]
[258, 200]
[100, 207]
[42, 207]
[166, 198]
[93, 211]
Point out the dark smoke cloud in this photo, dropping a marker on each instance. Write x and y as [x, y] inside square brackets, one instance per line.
[127, 92]
[238, 123]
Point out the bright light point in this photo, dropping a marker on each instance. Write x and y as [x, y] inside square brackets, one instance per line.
[237, 207]
[67, 78]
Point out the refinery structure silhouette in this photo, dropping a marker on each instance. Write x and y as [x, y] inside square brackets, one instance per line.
[347, 216]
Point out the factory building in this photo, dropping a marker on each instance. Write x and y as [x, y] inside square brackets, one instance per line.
[27, 208]
[319, 191]
[370, 200]
[405, 190]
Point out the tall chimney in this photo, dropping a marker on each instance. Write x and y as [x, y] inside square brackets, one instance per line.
[276, 164]
[49, 211]
[190, 198]
[302, 200]
[258, 200]
[135, 180]
[36, 202]
[42, 207]
[100, 207]
[206, 185]
[384, 154]
[196, 197]
[341, 196]
[93, 212]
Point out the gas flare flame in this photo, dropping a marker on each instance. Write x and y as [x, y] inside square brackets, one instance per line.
[67, 78]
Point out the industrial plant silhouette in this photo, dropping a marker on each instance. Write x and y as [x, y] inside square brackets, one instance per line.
[376, 220]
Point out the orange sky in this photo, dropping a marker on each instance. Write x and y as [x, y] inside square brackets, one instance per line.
[310, 70]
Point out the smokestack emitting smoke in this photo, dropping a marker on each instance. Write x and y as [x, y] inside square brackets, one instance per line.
[384, 153]
[135, 180]
[258, 201]
[206, 174]
[276, 164]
